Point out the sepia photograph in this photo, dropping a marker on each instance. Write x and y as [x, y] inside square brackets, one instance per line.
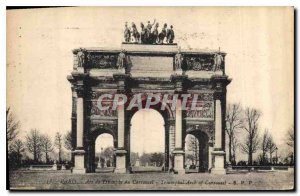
[150, 98]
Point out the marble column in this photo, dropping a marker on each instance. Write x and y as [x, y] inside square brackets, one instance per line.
[79, 152]
[121, 151]
[210, 150]
[178, 151]
[218, 153]
[171, 143]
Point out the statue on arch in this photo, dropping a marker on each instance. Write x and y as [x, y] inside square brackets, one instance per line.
[178, 60]
[135, 33]
[127, 33]
[81, 57]
[162, 34]
[143, 34]
[148, 32]
[170, 35]
[218, 60]
[155, 34]
[121, 62]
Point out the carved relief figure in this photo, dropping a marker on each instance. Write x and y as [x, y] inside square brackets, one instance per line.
[162, 34]
[178, 60]
[81, 57]
[170, 35]
[218, 59]
[127, 34]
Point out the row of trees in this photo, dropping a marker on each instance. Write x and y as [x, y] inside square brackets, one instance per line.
[156, 158]
[246, 121]
[35, 143]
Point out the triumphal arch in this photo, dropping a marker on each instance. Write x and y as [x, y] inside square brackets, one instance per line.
[151, 71]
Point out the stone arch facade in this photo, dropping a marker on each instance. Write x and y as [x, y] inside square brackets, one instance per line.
[148, 69]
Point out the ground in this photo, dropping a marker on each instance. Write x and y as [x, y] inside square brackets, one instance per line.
[64, 180]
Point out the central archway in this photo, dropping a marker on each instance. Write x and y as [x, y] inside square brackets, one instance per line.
[148, 141]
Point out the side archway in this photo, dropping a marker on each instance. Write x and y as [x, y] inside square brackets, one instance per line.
[196, 151]
[94, 136]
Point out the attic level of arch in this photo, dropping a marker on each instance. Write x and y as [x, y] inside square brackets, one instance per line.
[131, 57]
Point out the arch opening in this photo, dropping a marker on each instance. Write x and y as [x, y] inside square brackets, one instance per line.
[104, 158]
[196, 152]
[147, 142]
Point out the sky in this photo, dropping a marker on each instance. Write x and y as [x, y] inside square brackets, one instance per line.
[258, 42]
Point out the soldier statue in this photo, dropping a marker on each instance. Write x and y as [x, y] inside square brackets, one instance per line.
[178, 60]
[218, 60]
[81, 57]
[162, 34]
[127, 34]
[170, 35]
[121, 62]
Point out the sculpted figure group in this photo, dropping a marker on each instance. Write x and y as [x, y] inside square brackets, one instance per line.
[147, 35]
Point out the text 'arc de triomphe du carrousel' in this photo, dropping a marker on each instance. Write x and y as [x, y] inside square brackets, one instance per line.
[148, 63]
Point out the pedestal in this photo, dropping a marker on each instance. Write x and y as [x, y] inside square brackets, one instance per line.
[178, 72]
[79, 162]
[219, 162]
[178, 161]
[120, 161]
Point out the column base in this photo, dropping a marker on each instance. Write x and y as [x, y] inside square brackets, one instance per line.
[120, 161]
[79, 162]
[120, 171]
[218, 162]
[178, 161]
[79, 171]
[218, 171]
[178, 72]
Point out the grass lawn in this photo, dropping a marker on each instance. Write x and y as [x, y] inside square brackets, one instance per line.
[64, 180]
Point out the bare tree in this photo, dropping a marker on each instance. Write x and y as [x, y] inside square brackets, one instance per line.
[47, 146]
[264, 146]
[233, 123]
[17, 147]
[34, 144]
[235, 145]
[251, 144]
[58, 144]
[291, 137]
[68, 141]
[271, 146]
[291, 143]
[12, 126]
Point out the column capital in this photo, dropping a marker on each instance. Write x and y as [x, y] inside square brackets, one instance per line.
[121, 79]
[179, 81]
[79, 90]
[220, 82]
[219, 95]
